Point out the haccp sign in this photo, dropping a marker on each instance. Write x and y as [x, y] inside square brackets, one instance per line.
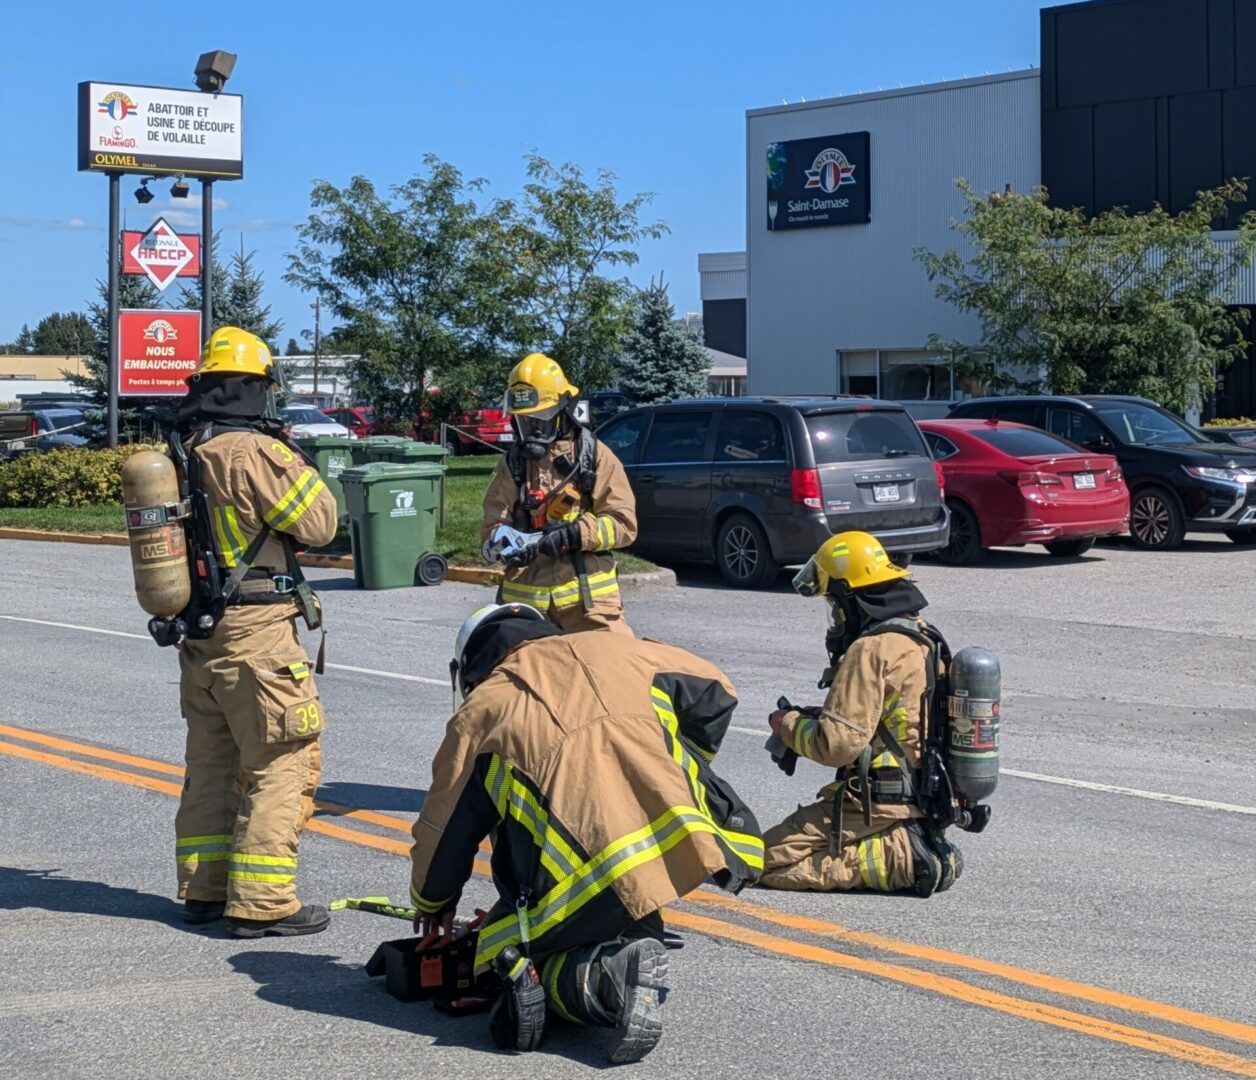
[161, 254]
[159, 348]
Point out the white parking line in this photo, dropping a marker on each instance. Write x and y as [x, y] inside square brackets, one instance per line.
[1063, 781]
[1088, 785]
[145, 637]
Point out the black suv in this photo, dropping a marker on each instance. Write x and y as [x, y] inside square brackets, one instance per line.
[758, 483]
[1179, 480]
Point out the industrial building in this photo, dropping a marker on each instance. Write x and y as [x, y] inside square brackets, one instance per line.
[1135, 102]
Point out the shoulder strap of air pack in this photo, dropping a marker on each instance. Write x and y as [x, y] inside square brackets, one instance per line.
[586, 461]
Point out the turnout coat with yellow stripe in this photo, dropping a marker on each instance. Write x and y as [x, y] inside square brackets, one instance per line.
[588, 758]
[878, 687]
[608, 521]
[250, 478]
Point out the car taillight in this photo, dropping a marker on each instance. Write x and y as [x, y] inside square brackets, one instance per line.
[804, 487]
[937, 471]
[1031, 479]
[34, 425]
[1113, 476]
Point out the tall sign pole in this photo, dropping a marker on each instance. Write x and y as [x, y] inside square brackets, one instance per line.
[115, 272]
[207, 259]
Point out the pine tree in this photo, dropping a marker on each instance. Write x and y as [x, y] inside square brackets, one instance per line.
[237, 299]
[662, 359]
[292, 349]
[25, 340]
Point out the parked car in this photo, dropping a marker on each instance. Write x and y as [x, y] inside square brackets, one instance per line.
[757, 483]
[1179, 481]
[359, 419]
[605, 405]
[477, 432]
[305, 421]
[1239, 434]
[23, 430]
[1011, 485]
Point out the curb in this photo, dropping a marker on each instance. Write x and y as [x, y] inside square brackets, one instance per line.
[468, 575]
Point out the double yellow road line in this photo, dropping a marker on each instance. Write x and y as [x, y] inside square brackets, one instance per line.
[699, 910]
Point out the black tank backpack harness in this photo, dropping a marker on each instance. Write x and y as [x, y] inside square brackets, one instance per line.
[212, 591]
[872, 780]
[531, 503]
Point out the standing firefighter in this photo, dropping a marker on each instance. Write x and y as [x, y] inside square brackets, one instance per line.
[588, 758]
[558, 507]
[247, 691]
[880, 825]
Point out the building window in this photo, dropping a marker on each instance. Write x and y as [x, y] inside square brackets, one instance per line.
[915, 375]
[859, 372]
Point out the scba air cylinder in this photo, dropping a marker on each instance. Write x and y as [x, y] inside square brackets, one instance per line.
[159, 558]
[973, 709]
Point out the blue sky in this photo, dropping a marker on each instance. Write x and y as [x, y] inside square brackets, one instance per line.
[654, 91]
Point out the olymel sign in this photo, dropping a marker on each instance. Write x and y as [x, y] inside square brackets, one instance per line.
[161, 254]
[157, 130]
[160, 347]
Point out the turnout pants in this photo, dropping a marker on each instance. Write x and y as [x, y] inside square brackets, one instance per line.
[253, 762]
[799, 853]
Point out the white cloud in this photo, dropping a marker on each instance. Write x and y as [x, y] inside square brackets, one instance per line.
[45, 224]
[76, 223]
[181, 219]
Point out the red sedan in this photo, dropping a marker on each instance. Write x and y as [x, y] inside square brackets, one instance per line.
[1011, 484]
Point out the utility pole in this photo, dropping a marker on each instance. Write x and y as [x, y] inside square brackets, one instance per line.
[115, 271]
[317, 342]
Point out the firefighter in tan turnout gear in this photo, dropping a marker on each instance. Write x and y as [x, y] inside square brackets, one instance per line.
[247, 689]
[587, 758]
[558, 507]
[868, 830]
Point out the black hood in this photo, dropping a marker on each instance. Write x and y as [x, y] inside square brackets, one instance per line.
[221, 399]
[855, 612]
[491, 644]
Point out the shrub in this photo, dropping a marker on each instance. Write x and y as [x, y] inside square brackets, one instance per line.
[70, 477]
[1233, 422]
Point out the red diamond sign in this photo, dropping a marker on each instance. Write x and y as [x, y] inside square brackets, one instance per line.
[161, 254]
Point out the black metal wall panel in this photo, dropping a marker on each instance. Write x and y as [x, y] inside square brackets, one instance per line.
[1068, 163]
[1195, 144]
[1122, 49]
[1221, 50]
[1154, 98]
[1125, 155]
[724, 326]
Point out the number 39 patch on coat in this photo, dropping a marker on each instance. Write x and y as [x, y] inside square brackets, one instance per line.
[303, 721]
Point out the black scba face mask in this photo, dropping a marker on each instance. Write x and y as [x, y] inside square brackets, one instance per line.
[537, 433]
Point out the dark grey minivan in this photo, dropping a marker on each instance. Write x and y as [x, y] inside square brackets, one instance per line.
[758, 483]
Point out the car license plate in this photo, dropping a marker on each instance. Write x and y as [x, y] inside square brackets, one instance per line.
[1083, 480]
[506, 436]
[885, 493]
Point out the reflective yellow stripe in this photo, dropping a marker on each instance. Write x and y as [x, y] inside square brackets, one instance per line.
[230, 538]
[191, 850]
[885, 760]
[249, 875]
[871, 855]
[895, 712]
[295, 501]
[299, 671]
[197, 841]
[595, 876]
[747, 847]
[564, 594]
[511, 796]
[804, 733]
[553, 969]
[427, 907]
[264, 860]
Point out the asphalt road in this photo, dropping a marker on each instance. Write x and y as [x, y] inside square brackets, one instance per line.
[1095, 932]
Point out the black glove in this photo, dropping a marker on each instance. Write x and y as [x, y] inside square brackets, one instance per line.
[560, 539]
[525, 557]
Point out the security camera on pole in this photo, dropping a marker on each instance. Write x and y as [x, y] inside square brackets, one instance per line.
[156, 132]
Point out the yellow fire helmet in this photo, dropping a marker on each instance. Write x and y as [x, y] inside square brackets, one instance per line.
[232, 351]
[857, 558]
[538, 387]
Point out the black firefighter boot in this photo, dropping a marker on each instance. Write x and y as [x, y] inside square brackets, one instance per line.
[307, 919]
[202, 912]
[620, 985]
[936, 863]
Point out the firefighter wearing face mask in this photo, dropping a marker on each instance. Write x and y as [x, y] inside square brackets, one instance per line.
[558, 507]
[587, 758]
[868, 830]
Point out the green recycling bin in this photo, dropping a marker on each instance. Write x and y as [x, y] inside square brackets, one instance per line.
[362, 448]
[392, 523]
[332, 454]
[407, 452]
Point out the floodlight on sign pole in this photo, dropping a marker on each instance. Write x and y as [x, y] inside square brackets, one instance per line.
[213, 69]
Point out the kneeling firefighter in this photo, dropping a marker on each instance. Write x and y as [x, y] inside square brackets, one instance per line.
[912, 732]
[587, 757]
[215, 562]
[558, 506]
